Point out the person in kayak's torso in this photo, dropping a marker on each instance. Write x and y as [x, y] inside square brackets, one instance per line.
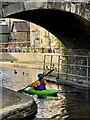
[39, 84]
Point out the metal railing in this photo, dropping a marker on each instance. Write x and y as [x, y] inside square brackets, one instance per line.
[74, 68]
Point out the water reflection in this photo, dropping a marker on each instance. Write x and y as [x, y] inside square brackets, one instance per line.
[70, 104]
[77, 104]
[47, 107]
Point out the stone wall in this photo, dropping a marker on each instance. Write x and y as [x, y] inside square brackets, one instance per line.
[26, 57]
[8, 8]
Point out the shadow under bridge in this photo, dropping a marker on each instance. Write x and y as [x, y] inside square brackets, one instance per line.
[71, 29]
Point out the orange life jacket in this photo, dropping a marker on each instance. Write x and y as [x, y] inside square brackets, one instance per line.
[39, 84]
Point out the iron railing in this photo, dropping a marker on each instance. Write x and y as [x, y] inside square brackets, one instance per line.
[74, 68]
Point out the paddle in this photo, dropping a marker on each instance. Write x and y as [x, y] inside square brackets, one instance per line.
[22, 90]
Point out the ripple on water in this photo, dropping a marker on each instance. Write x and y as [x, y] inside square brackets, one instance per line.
[51, 107]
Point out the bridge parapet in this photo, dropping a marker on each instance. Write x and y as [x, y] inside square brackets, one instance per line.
[16, 7]
[11, 8]
[77, 8]
[8, 8]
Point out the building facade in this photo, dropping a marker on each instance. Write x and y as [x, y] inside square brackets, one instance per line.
[29, 37]
[4, 35]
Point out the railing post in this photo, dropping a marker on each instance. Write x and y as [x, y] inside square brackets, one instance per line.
[67, 68]
[44, 62]
[51, 62]
[87, 73]
[58, 65]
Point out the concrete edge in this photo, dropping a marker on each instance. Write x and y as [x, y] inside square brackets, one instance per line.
[20, 110]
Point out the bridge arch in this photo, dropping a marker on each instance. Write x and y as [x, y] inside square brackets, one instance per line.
[72, 29]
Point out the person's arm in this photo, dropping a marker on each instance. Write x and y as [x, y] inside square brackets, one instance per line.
[45, 82]
[34, 84]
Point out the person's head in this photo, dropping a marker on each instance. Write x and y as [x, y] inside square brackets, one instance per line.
[40, 76]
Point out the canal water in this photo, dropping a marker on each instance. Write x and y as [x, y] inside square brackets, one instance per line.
[70, 103]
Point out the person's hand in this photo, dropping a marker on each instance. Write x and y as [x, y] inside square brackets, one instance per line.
[36, 87]
[28, 88]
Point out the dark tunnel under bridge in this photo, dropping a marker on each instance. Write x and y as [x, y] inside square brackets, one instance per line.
[71, 29]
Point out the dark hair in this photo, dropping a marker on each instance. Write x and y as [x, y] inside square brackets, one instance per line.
[40, 76]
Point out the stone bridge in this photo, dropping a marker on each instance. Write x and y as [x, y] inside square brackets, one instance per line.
[66, 20]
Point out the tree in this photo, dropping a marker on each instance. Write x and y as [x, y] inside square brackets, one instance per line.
[62, 47]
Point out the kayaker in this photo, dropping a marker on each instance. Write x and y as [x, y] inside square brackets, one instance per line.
[39, 84]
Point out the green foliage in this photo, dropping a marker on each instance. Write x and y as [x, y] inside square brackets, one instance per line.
[45, 36]
[62, 47]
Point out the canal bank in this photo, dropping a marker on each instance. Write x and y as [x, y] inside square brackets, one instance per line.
[68, 83]
[16, 105]
[22, 65]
